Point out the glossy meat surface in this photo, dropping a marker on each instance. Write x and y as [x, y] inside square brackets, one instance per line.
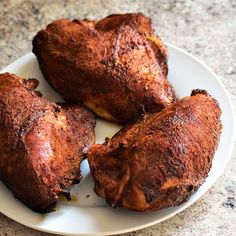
[160, 160]
[116, 66]
[41, 144]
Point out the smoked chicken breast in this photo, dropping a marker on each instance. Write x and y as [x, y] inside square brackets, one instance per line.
[116, 66]
[41, 144]
[160, 160]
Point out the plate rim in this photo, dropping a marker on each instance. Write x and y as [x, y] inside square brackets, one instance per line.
[181, 207]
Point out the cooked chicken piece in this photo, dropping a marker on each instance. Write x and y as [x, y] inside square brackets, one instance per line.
[162, 159]
[41, 144]
[116, 66]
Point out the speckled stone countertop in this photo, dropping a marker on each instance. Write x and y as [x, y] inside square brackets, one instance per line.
[207, 29]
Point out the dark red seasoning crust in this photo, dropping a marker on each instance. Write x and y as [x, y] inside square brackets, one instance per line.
[41, 144]
[160, 160]
[116, 66]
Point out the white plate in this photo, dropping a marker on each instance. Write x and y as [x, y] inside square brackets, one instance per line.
[91, 215]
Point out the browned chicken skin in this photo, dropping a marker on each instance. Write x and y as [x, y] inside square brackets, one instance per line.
[116, 66]
[162, 159]
[41, 144]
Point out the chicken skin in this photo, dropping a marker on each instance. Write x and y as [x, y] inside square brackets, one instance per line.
[160, 160]
[41, 144]
[115, 66]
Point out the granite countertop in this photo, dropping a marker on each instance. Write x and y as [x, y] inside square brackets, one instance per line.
[207, 29]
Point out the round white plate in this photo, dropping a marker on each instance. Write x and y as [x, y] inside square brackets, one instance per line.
[90, 214]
